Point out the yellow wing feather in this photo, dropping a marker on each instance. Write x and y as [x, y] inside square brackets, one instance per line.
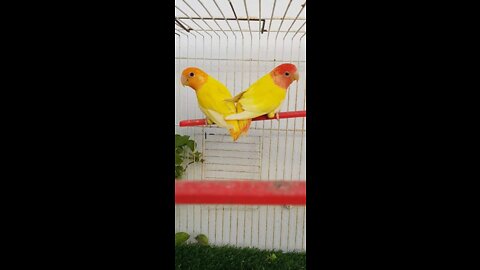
[262, 97]
[211, 100]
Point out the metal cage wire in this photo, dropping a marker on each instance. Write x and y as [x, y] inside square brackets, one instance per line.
[237, 42]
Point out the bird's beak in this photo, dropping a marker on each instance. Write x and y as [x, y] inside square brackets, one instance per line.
[296, 76]
[184, 80]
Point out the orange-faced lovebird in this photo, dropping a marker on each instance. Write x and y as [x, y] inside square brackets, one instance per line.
[211, 97]
[265, 96]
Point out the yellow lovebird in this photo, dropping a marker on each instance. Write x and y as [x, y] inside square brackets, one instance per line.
[211, 97]
[265, 96]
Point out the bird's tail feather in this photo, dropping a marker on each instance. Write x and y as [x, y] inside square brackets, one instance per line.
[235, 131]
[239, 127]
[244, 125]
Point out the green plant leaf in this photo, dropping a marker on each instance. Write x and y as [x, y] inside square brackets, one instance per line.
[191, 145]
[182, 144]
[178, 159]
[197, 156]
[179, 171]
[181, 140]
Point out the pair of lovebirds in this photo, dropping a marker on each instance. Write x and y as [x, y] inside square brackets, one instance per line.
[265, 96]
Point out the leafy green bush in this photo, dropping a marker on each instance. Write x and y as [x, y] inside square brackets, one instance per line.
[196, 256]
[185, 154]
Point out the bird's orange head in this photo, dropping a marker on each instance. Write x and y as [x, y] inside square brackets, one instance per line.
[194, 77]
[284, 74]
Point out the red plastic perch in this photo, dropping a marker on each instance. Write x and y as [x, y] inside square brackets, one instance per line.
[243, 192]
[203, 122]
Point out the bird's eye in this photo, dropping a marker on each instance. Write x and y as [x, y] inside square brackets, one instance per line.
[287, 74]
[191, 74]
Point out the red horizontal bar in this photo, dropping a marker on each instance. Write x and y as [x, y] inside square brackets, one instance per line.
[282, 115]
[241, 192]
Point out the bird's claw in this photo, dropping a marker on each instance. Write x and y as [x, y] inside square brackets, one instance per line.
[277, 115]
[209, 123]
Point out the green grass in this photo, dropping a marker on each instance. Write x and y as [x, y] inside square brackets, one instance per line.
[193, 256]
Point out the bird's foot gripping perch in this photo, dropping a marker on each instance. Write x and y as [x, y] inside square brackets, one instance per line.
[274, 115]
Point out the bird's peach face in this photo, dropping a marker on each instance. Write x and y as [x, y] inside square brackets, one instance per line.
[285, 74]
[193, 77]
